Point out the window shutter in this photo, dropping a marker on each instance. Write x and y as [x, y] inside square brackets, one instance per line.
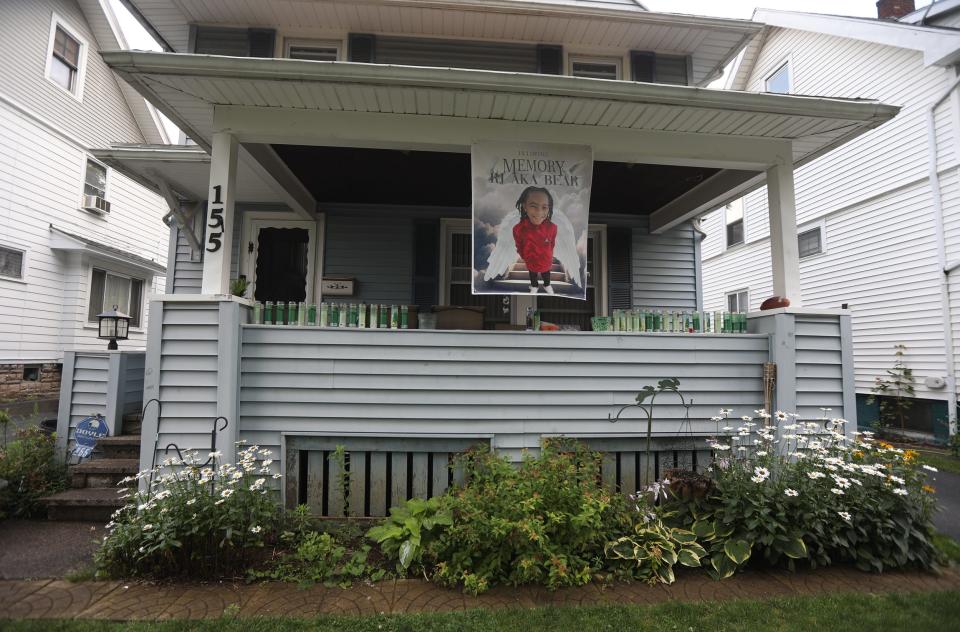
[216, 40]
[426, 263]
[362, 48]
[97, 284]
[641, 66]
[619, 268]
[136, 299]
[262, 42]
[550, 60]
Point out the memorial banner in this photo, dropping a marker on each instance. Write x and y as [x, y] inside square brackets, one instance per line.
[531, 204]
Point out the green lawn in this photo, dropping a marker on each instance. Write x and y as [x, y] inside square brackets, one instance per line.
[913, 612]
[940, 460]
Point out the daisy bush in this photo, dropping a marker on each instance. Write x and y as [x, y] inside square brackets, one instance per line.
[791, 490]
[194, 518]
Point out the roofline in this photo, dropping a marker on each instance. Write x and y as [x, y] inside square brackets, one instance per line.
[107, 251]
[212, 66]
[940, 46]
[934, 9]
[145, 23]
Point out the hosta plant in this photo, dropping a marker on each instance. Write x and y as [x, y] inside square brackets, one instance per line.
[652, 550]
[409, 528]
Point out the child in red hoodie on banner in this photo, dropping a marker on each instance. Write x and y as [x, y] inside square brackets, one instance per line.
[535, 235]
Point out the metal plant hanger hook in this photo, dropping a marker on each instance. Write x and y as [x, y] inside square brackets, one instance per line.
[668, 385]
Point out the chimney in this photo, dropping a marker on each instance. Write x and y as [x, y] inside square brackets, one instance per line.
[893, 9]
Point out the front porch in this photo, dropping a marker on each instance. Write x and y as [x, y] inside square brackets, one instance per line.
[401, 401]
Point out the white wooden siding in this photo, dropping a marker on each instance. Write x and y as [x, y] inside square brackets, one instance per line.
[874, 198]
[102, 117]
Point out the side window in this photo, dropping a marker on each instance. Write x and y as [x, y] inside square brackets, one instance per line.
[733, 221]
[12, 263]
[810, 242]
[779, 81]
[65, 57]
[94, 197]
[108, 289]
[738, 301]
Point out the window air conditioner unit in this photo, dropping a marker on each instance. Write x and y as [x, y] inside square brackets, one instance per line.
[96, 204]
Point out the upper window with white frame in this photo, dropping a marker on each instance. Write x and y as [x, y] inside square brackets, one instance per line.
[65, 57]
[12, 263]
[312, 50]
[810, 242]
[595, 67]
[738, 301]
[95, 179]
[779, 80]
[733, 220]
[110, 288]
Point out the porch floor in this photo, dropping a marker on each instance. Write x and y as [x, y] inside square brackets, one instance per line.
[125, 601]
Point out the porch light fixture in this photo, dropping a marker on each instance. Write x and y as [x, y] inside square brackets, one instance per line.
[114, 326]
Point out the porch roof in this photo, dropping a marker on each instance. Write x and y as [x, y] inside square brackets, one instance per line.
[277, 101]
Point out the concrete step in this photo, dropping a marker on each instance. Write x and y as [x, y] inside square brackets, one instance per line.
[522, 285]
[103, 473]
[518, 275]
[132, 424]
[521, 266]
[83, 504]
[119, 447]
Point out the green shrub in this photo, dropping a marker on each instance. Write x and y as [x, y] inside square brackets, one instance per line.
[29, 468]
[193, 521]
[545, 521]
[811, 495]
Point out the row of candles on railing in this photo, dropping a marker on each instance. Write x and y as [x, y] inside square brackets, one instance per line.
[640, 319]
[325, 314]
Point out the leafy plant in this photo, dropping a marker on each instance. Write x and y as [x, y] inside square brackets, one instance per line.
[894, 393]
[409, 528]
[545, 521]
[339, 457]
[238, 287]
[29, 467]
[4, 423]
[192, 521]
[653, 550]
[319, 558]
[954, 444]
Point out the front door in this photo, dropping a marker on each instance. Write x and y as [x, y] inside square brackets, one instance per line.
[280, 260]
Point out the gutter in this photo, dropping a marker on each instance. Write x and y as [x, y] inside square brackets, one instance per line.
[943, 270]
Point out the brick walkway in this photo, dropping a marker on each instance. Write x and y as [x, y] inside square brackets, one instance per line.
[129, 601]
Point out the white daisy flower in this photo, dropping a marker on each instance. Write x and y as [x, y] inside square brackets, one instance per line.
[837, 491]
[791, 492]
[900, 491]
[843, 514]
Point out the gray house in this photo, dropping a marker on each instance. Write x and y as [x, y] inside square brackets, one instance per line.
[342, 134]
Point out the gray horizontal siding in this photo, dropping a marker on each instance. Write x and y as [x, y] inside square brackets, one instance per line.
[187, 273]
[88, 391]
[819, 366]
[664, 268]
[132, 386]
[513, 385]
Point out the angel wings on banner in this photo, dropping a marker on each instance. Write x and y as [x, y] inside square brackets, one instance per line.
[505, 254]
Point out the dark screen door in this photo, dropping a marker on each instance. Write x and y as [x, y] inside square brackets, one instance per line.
[282, 263]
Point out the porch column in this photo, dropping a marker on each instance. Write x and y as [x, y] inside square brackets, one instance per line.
[784, 249]
[220, 214]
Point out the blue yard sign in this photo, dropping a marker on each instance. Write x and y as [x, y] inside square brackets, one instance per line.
[86, 433]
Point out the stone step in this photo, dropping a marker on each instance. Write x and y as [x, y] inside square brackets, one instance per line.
[132, 424]
[119, 447]
[83, 504]
[104, 473]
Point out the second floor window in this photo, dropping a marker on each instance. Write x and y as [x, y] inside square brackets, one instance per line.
[810, 242]
[779, 81]
[64, 60]
[733, 217]
[95, 180]
[595, 68]
[312, 50]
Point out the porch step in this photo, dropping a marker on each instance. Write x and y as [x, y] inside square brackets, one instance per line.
[132, 424]
[102, 473]
[83, 504]
[523, 275]
[510, 285]
[119, 447]
[521, 266]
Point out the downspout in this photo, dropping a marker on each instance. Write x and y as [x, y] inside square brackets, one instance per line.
[942, 268]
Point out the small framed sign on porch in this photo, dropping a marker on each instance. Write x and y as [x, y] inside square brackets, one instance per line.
[337, 286]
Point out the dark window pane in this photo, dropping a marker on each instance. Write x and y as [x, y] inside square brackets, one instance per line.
[66, 48]
[136, 299]
[282, 262]
[732, 303]
[595, 70]
[11, 263]
[97, 285]
[810, 243]
[735, 233]
[313, 53]
[96, 180]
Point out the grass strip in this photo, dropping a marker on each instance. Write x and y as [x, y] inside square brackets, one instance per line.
[862, 612]
[941, 461]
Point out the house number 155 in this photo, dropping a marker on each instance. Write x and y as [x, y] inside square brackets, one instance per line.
[216, 222]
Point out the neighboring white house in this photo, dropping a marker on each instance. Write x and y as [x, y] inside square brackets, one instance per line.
[877, 224]
[75, 236]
